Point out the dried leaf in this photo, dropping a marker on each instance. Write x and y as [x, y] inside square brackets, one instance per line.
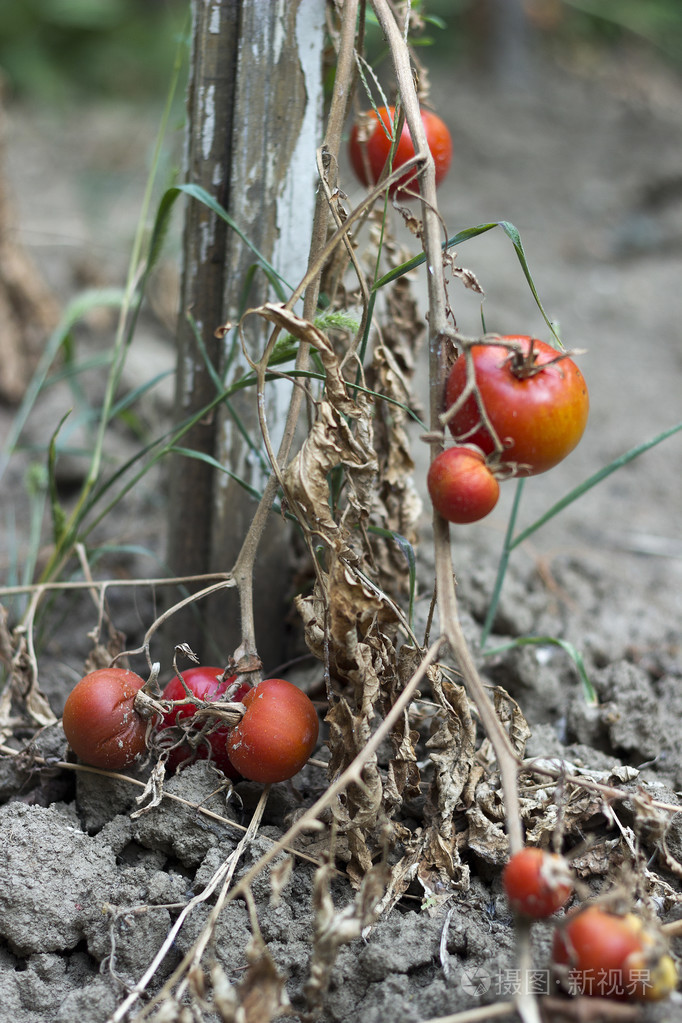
[262, 992]
[304, 330]
[280, 873]
[440, 871]
[5, 637]
[329, 444]
[225, 997]
[334, 928]
[509, 713]
[451, 749]
[22, 686]
[486, 837]
[152, 793]
[360, 805]
[467, 277]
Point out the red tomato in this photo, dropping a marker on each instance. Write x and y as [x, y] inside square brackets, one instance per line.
[277, 734]
[203, 683]
[100, 722]
[613, 956]
[461, 486]
[537, 883]
[539, 411]
[369, 147]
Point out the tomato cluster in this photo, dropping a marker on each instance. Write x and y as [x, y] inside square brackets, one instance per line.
[371, 140]
[528, 411]
[273, 740]
[594, 951]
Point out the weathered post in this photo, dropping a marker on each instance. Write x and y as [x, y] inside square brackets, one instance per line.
[254, 113]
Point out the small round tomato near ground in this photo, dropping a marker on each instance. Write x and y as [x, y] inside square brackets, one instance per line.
[461, 486]
[537, 883]
[536, 400]
[277, 733]
[370, 144]
[206, 683]
[100, 721]
[613, 956]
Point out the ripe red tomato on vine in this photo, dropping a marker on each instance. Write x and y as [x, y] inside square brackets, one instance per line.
[370, 145]
[534, 396]
[206, 683]
[100, 721]
[461, 486]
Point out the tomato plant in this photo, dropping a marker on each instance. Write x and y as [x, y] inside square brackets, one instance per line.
[535, 398]
[206, 683]
[537, 883]
[461, 486]
[613, 956]
[370, 144]
[100, 721]
[276, 735]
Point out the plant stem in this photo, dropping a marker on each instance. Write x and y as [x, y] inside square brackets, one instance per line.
[438, 329]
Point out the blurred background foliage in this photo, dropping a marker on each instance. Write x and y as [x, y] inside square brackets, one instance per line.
[65, 50]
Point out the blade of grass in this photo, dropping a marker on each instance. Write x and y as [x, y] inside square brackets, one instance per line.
[592, 481]
[464, 236]
[575, 655]
[56, 508]
[202, 456]
[75, 311]
[502, 566]
[201, 195]
[138, 270]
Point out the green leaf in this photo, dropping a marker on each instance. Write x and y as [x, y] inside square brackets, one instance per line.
[573, 653]
[464, 236]
[58, 513]
[592, 481]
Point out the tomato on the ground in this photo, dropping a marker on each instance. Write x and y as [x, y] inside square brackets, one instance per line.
[100, 721]
[613, 956]
[276, 735]
[206, 683]
[537, 882]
